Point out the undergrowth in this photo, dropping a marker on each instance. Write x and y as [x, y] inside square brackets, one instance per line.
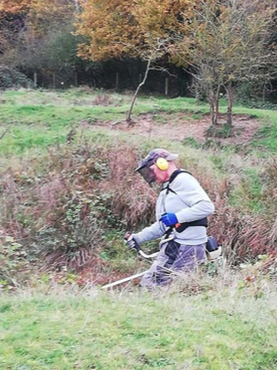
[61, 211]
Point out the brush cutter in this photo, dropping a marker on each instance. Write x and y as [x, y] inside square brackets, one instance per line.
[146, 256]
[213, 252]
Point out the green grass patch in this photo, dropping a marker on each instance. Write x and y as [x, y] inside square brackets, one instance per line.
[134, 331]
[22, 138]
[190, 141]
[249, 194]
[65, 108]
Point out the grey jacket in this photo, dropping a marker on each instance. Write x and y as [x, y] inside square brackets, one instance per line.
[189, 202]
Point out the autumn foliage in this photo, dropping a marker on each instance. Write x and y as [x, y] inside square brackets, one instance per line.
[117, 27]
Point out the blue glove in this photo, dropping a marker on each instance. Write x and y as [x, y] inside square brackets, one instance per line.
[169, 219]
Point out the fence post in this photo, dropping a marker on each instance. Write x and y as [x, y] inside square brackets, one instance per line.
[35, 80]
[166, 86]
[54, 80]
[117, 81]
[76, 79]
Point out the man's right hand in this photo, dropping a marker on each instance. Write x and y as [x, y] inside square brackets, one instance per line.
[131, 242]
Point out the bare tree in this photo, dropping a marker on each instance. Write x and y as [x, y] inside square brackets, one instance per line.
[228, 44]
[157, 49]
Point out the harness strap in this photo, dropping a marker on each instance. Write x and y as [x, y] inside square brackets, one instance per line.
[183, 226]
[172, 178]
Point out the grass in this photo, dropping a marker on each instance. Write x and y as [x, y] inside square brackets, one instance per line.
[56, 111]
[135, 331]
[39, 120]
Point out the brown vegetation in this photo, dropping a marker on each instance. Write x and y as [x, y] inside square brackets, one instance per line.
[64, 211]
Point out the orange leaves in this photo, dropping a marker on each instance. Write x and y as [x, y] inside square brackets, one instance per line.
[15, 6]
[135, 27]
[110, 27]
[38, 8]
[35, 17]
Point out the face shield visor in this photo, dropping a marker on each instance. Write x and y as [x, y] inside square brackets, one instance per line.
[144, 167]
[148, 174]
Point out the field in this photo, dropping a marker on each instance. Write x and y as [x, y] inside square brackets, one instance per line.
[66, 330]
[69, 193]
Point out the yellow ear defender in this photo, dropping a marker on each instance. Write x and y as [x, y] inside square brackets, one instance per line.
[162, 164]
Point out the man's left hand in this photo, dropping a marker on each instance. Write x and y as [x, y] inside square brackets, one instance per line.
[169, 219]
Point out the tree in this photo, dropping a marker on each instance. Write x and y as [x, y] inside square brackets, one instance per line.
[142, 28]
[228, 43]
[11, 22]
[32, 31]
[20, 16]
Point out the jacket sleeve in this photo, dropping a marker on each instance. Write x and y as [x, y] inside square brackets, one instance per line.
[197, 204]
[154, 231]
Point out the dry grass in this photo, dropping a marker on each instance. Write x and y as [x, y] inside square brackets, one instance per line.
[64, 205]
[63, 209]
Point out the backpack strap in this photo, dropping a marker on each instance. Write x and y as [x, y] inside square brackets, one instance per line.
[172, 178]
[183, 226]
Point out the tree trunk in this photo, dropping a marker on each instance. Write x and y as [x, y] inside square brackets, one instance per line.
[214, 102]
[230, 95]
[128, 117]
[217, 107]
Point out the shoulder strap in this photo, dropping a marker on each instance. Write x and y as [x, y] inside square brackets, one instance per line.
[183, 226]
[172, 178]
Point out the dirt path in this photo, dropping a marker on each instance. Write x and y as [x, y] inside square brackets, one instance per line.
[179, 126]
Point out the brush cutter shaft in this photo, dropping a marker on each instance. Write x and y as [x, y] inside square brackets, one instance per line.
[144, 255]
[124, 280]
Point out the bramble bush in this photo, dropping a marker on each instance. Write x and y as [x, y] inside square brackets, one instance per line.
[63, 211]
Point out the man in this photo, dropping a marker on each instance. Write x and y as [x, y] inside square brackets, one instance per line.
[181, 211]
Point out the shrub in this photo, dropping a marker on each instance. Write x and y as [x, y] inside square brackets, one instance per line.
[244, 237]
[220, 131]
[64, 210]
[10, 78]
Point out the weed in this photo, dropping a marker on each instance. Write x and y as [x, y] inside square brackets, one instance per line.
[220, 131]
[12, 260]
[190, 141]
[104, 100]
[66, 207]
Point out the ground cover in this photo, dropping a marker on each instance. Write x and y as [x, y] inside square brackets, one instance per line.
[40, 118]
[47, 165]
[65, 329]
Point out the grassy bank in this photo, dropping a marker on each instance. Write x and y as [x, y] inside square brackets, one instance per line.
[62, 329]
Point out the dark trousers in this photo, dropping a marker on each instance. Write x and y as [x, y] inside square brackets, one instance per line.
[173, 257]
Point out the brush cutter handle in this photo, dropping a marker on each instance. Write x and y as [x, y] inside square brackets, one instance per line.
[147, 256]
[131, 242]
